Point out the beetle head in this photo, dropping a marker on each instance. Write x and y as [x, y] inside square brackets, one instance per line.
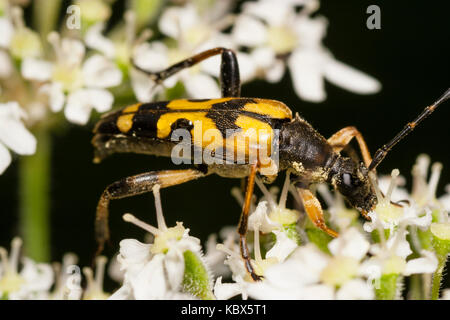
[352, 180]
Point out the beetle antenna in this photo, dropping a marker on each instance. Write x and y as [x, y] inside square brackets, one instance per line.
[381, 153]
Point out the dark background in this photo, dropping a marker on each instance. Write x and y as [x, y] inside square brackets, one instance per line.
[409, 55]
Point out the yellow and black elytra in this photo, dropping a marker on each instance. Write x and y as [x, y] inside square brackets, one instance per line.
[309, 157]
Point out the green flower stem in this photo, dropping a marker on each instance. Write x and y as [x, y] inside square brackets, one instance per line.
[146, 11]
[441, 244]
[387, 288]
[437, 277]
[34, 182]
[45, 15]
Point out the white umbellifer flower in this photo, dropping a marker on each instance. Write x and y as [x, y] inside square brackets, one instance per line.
[214, 257]
[268, 217]
[193, 33]
[77, 84]
[155, 271]
[277, 33]
[308, 273]
[13, 134]
[32, 282]
[390, 216]
[390, 258]
[340, 215]
[94, 289]
[20, 41]
[67, 279]
[126, 51]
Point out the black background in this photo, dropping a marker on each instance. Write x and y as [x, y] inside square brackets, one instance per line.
[409, 55]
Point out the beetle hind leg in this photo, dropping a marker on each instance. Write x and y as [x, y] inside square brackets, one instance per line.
[136, 185]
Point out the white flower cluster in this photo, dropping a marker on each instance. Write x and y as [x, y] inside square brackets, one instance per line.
[77, 70]
[403, 242]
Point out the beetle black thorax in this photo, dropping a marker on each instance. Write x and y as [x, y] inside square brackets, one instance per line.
[303, 148]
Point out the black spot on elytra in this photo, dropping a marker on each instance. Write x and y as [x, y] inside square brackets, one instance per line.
[153, 106]
[224, 114]
[182, 123]
[198, 100]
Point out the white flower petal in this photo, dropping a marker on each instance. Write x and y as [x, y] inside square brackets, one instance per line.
[303, 267]
[6, 66]
[174, 264]
[150, 283]
[307, 75]
[72, 51]
[133, 252]
[350, 78]
[176, 20]
[81, 102]
[99, 72]
[151, 56]
[13, 132]
[143, 86]
[7, 29]
[350, 244]
[123, 293]
[355, 289]
[95, 40]
[273, 12]
[264, 57]
[249, 31]
[426, 264]
[36, 69]
[200, 86]
[260, 220]
[247, 67]
[38, 276]
[5, 159]
[55, 94]
[283, 247]
[275, 72]
[310, 31]
[225, 291]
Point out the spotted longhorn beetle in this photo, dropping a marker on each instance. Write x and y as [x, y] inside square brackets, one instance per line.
[310, 158]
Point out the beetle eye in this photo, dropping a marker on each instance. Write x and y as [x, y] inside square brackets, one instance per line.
[347, 180]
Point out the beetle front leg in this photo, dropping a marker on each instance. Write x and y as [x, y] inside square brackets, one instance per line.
[314, 210]
[132, 186]
[342, 138]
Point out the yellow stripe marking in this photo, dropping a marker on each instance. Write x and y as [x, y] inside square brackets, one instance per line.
[271, 108]
[185, 104]
[132, 108]
[125, 122]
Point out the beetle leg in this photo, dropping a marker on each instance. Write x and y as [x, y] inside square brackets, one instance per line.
[314, 210]
[229, 70]
[342, 138]
[132, 186]
[243, 223]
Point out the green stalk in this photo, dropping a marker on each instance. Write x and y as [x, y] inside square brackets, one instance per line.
[45, 16]
[388, 284]
[34, 183]
[437, 277]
